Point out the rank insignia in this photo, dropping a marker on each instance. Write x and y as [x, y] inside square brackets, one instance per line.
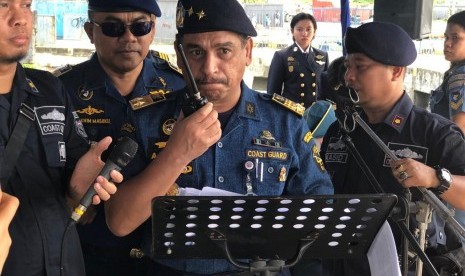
[456, 100]
[397, 121]
[266, 139]
[140, 102]
[168, 126]
[295, 107]
[201, 14]
[62, 70]
[32, 86]
[282, 174]
[320, 62]
[250, 108]
[317, 158]
[294, 49]
[308, 137]
[84, 94]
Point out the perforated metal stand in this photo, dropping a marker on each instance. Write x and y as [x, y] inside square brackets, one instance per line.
[272, 233]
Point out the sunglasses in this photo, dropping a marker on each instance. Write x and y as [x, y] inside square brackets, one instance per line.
[117, 29]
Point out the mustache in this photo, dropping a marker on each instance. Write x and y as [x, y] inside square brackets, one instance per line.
[210, 81]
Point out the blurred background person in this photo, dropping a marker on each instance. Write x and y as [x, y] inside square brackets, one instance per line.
[447, 99]
[295, 71]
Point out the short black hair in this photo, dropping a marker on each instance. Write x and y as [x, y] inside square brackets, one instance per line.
[303, 16]
[457, 18]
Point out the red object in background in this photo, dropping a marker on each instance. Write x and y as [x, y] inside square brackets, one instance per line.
[322, 4]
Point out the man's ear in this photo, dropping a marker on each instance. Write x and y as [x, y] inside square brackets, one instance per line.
[89, 28]
[398, 72]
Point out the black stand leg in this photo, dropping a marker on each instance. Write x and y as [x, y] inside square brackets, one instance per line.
[402, 220]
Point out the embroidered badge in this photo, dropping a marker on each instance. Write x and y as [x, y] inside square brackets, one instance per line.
[317, 158]
[250, 109]
[168, 126]
[308, 137]
[89, 110]
[78, 126]
[264, 154]
[456, 100]
[84, 94]
[418, 153]
[51, 119]
[336, 152]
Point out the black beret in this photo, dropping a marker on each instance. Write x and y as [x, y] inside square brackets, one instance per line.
[383, 42]
[149, 6]
[200, 16]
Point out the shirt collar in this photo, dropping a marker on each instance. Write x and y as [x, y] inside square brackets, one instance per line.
[397, 117]
[306, 51]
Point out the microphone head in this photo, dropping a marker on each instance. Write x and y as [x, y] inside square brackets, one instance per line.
[123, 152]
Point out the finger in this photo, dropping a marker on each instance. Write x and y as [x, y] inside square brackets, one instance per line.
[102, 194]
[116, 176]
[102, 145]
[104, 186]
[200, 114]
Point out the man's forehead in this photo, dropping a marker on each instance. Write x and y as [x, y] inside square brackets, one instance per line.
[212, 38]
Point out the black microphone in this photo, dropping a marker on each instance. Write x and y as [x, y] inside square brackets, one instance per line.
[120, 156]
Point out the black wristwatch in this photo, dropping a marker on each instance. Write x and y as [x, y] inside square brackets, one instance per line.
[445, 179]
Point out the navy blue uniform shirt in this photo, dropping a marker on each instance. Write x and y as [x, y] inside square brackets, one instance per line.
[55, 141]
[295, 76]
[259, 131]
[410, 132]
[103, 111]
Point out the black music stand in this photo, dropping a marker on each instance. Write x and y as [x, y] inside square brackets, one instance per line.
[272, 232]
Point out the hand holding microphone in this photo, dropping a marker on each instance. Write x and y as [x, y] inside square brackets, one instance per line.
[121, 155]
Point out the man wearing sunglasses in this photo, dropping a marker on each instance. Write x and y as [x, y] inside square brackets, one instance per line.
[123, 77]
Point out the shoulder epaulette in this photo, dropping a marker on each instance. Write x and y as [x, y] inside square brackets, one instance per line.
[62, 70]
[166, 58]
[293, 106]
